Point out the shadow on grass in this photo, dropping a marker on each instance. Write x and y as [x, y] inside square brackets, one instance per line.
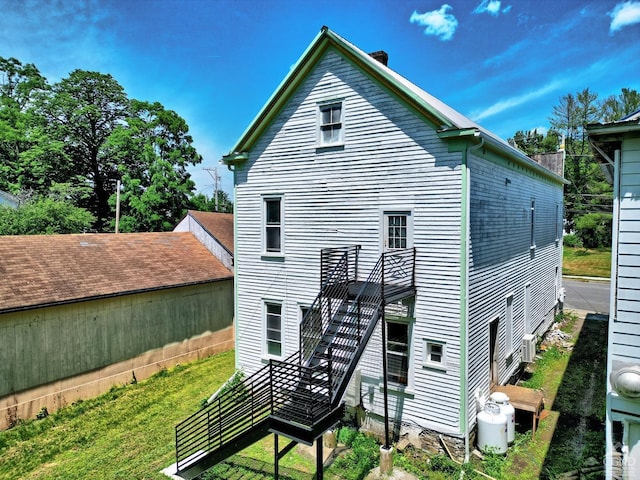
[243, 468]
[578, 440]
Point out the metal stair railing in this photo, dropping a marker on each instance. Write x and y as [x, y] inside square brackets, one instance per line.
[349, 331]
[339, 268]
[244, 406]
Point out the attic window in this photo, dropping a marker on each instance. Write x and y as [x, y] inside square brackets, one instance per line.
[330, 123]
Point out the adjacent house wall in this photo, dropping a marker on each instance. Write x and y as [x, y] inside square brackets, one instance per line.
[503, 261]
[57, 354]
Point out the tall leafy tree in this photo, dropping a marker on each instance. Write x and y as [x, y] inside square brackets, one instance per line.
[532, 142]
[154, 150]
[570, 117]
[30, 160]
[83, 110]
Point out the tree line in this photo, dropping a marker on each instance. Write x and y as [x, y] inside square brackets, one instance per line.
[588, 197]
[64, 147]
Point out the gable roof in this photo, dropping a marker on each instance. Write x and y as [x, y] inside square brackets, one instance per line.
[448, 122]
[218, 225]
[43, 270]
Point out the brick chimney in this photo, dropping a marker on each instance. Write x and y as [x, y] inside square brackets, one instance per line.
[380, 56]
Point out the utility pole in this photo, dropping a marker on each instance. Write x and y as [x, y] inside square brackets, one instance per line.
[216, 178]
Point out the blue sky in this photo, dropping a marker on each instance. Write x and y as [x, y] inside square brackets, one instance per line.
[503, 63]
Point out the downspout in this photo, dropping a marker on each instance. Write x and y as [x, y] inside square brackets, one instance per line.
[464, 300]
[232, 168]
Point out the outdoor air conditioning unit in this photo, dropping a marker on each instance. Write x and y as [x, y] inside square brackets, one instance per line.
[528, 348]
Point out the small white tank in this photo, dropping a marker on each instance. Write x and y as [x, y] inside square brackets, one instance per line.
[507, 409]
[492, 429]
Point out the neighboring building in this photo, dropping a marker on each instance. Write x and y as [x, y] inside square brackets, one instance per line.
[618, 144]
[348, 152]
[214, 230]
[80, 313]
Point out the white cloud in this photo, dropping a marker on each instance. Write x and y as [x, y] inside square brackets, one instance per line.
[492, 7]
[623, 15]
[508, 103]
[437, 22]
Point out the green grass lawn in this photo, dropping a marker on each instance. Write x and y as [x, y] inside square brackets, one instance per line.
[587, 262]
[126, 433]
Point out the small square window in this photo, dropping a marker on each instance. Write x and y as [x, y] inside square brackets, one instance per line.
[330, 124]
[435, 354]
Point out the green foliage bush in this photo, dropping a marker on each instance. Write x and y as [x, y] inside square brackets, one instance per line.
[572, 241]
[358, 462]
[594, 229]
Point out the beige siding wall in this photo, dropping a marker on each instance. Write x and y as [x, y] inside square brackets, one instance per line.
[502, 262]
[41, 346]
[391, 160]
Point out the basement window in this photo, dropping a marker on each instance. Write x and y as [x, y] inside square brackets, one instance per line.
[435, 354]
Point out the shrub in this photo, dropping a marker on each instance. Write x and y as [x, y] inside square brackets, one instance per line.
[572, 240]
[594, 229]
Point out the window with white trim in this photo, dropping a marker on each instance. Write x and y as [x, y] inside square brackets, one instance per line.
[398, 334]
[330, 124]
[273, 328]
[508, 344]
[533, 224]
[397, 230]
[273, 223]
[435, 354]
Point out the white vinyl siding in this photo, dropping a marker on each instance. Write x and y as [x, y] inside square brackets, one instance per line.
[501, 262]
[625, 339]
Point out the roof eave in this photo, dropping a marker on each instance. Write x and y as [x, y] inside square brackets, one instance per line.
[323, 41]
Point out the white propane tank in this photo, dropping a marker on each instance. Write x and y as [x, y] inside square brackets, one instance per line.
[507, 409]
[492, 429]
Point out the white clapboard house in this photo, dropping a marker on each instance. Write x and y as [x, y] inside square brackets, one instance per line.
[618, 145]
[363, 202]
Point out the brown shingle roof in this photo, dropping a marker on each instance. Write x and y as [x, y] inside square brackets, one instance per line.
[49, 269]
[219, 225]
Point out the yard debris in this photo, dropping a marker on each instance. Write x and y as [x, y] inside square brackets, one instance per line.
[556, 338]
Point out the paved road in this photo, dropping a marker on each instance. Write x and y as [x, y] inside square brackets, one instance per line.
[591, 296]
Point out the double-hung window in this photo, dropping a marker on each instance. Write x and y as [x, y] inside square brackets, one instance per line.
[273, 328]
[398, 352]
[330, 122]
[273, 223]
[397, 230]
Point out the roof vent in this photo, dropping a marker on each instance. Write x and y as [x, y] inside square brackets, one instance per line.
[380, 56]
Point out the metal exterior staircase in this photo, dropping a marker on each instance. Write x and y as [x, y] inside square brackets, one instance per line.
[301, 397]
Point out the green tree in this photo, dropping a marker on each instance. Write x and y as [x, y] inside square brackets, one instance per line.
[83, 110]
[531, 142]
[594, 229]
[30, 160]
[615, 107]
[44, 216]
[208, 204]
[570, 117]
[154, 150]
